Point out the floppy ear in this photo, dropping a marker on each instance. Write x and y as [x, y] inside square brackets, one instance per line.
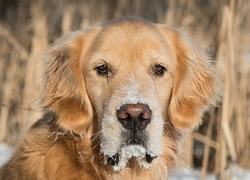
[64, 88]
[195, 84]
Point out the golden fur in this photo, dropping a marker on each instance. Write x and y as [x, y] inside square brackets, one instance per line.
[65, 142]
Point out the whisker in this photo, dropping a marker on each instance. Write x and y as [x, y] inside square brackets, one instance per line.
[98, 143]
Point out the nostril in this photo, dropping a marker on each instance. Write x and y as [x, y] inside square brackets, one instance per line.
[141, 115]
[123, 116]
[144, 116]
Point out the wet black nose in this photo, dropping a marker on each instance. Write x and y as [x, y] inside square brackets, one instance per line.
[134, 116]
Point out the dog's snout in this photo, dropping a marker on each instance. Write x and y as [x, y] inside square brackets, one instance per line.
[134, 116]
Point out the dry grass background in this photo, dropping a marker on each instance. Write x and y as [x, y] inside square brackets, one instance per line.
[220, 27]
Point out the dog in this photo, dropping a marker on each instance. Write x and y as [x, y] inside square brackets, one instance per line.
[118, 98]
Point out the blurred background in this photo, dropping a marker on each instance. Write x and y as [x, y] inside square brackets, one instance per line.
[220, 27]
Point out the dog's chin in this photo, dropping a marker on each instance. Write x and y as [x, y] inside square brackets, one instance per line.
[132, 152]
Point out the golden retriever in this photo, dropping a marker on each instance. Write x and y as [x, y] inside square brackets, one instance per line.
[118, 98]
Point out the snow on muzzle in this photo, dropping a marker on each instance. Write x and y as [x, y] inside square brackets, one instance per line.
[132, 127]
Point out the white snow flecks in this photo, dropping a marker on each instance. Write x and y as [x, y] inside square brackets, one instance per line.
[128, 152]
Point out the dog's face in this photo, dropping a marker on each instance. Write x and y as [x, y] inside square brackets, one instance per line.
[130, 81]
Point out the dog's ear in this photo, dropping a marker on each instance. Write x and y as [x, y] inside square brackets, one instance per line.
[64, 90]
[195, 84]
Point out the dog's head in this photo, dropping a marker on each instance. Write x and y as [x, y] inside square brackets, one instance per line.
[131, 84]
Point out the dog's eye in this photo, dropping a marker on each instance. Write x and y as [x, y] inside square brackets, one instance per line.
[159, 70]
[102, 69]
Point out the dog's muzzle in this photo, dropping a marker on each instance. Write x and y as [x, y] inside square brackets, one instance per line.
[134, 118]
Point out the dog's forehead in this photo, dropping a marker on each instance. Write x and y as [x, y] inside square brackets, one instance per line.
[130, 36]
[131, 41]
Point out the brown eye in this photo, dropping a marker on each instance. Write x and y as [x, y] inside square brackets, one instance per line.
[102, 69]
[159, 70]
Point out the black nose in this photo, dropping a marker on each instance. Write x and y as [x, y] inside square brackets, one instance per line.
[134, 116]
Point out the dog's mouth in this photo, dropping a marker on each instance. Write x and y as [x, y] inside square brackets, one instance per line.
[133, 148]
[126, 153]
[114, 160]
